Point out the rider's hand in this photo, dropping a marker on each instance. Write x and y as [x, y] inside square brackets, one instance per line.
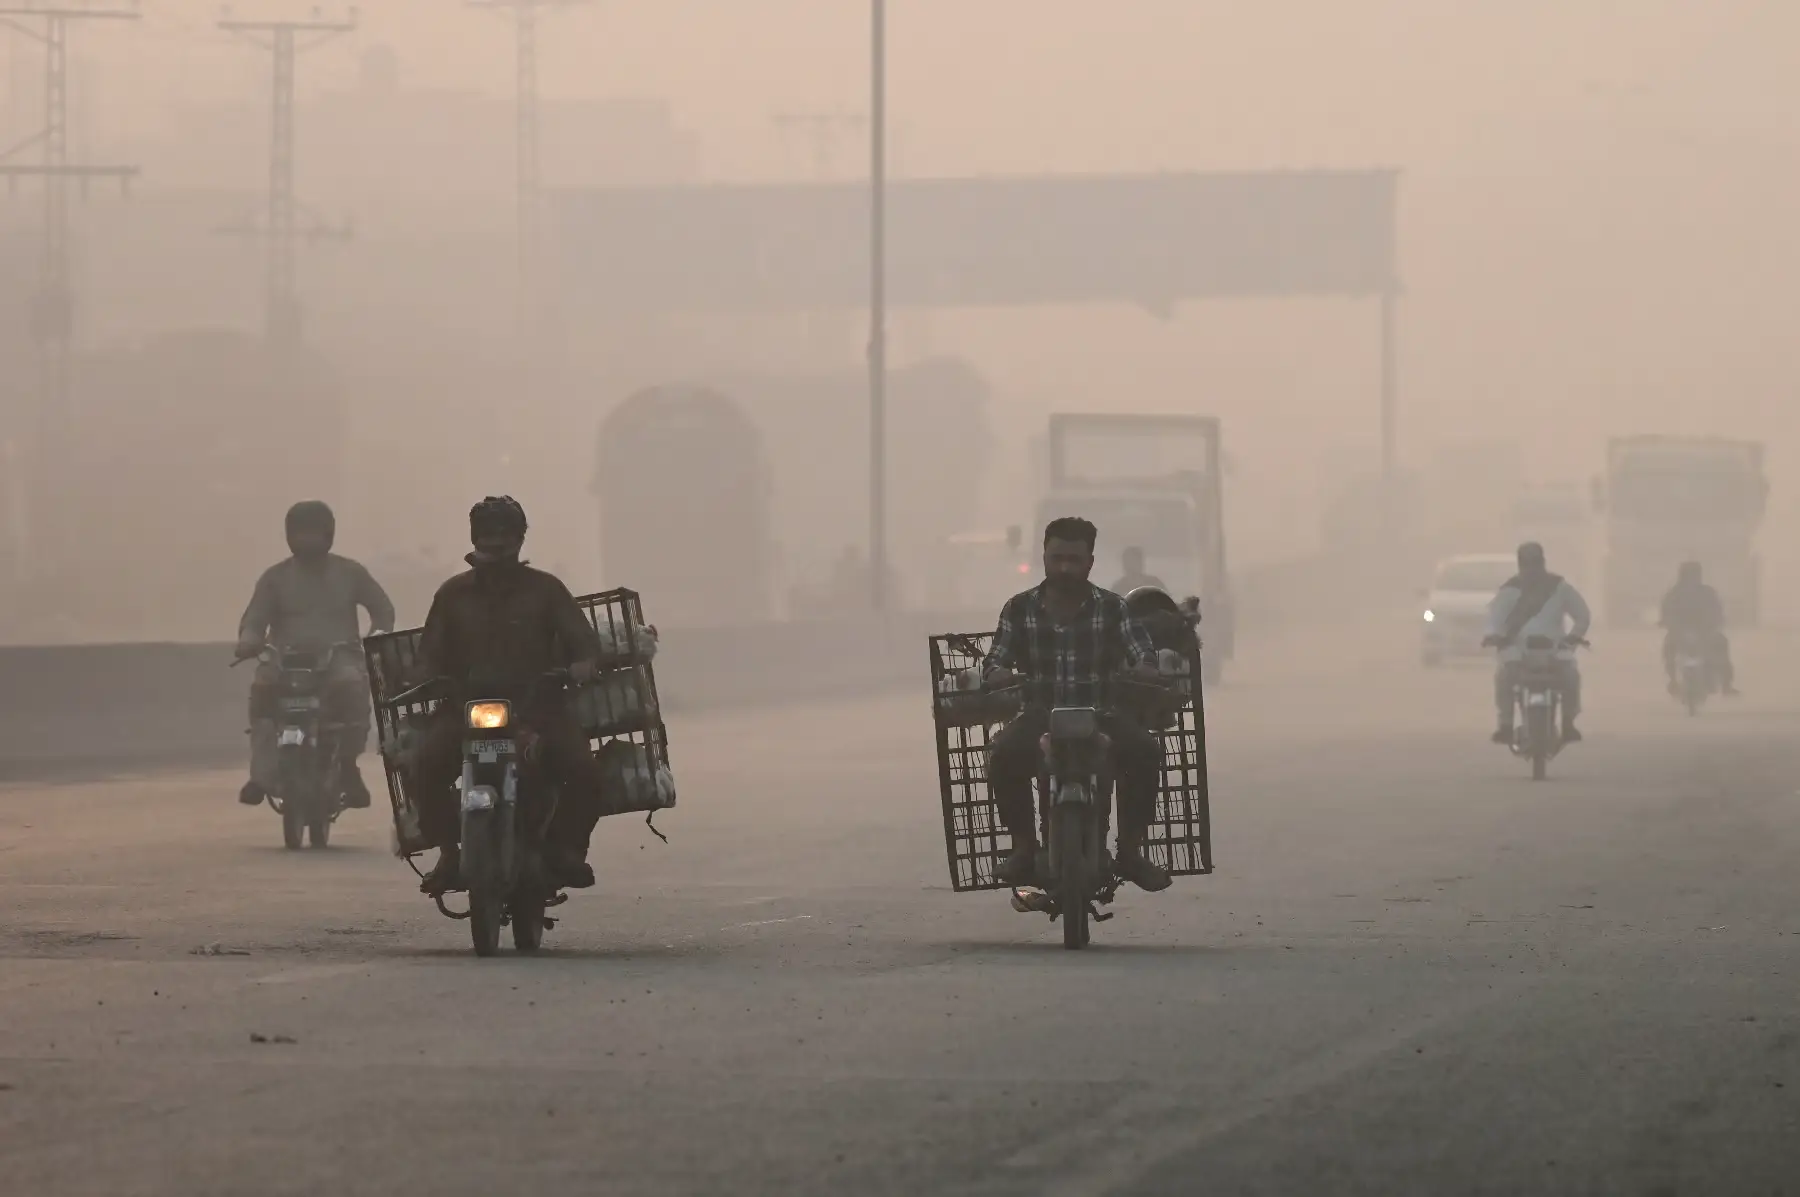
[999, 677]
[248, 647]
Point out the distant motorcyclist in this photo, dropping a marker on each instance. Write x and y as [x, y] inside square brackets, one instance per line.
[1136, 575]
[310, 601]
[1536, 602]
[498, 628]
[1068, 638]
[1691, 608]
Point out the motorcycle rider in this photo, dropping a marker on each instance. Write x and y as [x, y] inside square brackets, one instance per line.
[497, 628]
[1536, 602]
[1135, 574]
[310, 601]
[1692, 608]
[1068, 637]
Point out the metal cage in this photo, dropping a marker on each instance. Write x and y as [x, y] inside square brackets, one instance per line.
[975, 841]
[617, 616]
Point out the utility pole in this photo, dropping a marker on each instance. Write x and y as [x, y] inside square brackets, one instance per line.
[878, 550]
[53, 309]
[529, 181]
[281, 227]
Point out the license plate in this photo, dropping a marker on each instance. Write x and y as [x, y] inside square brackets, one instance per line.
[491, 748]
[1539, 699]
[299, 704]
[292, 735]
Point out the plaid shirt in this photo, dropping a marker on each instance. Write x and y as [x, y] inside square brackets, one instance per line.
[1071, 665]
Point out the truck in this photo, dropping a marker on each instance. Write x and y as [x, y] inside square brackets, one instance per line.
[1557, 516]
[1151, 482]
[1669, 499]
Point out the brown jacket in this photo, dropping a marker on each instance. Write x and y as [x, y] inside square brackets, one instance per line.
[503, 627]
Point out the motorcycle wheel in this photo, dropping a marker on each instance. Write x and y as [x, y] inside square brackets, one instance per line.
[528, 924]
[318, 829]
[293, 827]
[1071, 874]
[1691, 694]
[1537, 739]
[485, 910]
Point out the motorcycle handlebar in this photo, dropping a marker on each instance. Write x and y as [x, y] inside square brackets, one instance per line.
[562, 676]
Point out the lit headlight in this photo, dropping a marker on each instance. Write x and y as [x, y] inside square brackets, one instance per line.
[1430, 616]
[489, 715]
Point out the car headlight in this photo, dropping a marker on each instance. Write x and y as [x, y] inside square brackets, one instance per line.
[488, 715]
[1430, 616]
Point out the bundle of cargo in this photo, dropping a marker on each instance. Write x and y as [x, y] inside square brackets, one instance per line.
[619, 711]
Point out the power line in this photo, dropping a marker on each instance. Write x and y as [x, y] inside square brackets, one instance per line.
[282, 227]
[53, 308]
[528, 172]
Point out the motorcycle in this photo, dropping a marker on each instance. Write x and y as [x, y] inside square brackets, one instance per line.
[1694, 681]
[507, 806]
[309, 792]
[1074, 817]
[1537, 705]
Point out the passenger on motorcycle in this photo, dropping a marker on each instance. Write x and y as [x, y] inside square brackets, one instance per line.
[1536, 602]
[1692, 608]
[1068, 638]
[310, 601]
[499, 628]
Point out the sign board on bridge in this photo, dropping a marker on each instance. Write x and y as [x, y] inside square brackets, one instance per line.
[1152, 240]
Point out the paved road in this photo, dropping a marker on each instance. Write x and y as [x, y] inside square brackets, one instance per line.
[1415, 972]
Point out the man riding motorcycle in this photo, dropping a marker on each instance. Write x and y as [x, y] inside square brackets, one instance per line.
[1536, 602]
[498, 628]
[1691, 608]
[310, 601]
[1068, 637]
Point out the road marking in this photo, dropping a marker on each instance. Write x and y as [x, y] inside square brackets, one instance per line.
[310, 972]
[1107, 1154]
[765, 922]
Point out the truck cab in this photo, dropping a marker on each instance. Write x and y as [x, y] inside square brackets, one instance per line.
[1151, 482]
[1672, 499]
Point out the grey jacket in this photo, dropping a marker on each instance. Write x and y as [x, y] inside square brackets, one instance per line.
[314, 604]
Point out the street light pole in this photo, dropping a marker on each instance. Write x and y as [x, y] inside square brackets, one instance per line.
[878, 552]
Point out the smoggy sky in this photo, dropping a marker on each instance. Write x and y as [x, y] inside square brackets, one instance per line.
[1056, 84]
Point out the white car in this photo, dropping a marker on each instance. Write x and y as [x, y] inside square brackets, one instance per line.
[1456, 606]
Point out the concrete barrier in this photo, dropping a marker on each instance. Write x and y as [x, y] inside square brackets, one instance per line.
[112, 708]
[107, 709]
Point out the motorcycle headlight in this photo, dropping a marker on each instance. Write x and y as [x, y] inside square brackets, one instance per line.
[489, 716]
[1430, 616]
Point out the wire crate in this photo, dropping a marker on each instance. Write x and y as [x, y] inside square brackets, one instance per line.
[975, 841]
[628, 647]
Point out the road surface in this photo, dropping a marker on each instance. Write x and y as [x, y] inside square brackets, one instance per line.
[1414, 972]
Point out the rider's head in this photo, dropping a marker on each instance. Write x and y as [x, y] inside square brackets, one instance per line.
[1134, 561]
[311, 529]
[1069, 552]
[497, 530]
[1531, 560]
[1689, 573]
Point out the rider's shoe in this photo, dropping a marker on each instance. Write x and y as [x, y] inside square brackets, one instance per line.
[1571, 734]
[569, 871]
[445, 876]
[1020, 868]
[1141, 871]
[356, 791]
[1503, 736]
[252, 794]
